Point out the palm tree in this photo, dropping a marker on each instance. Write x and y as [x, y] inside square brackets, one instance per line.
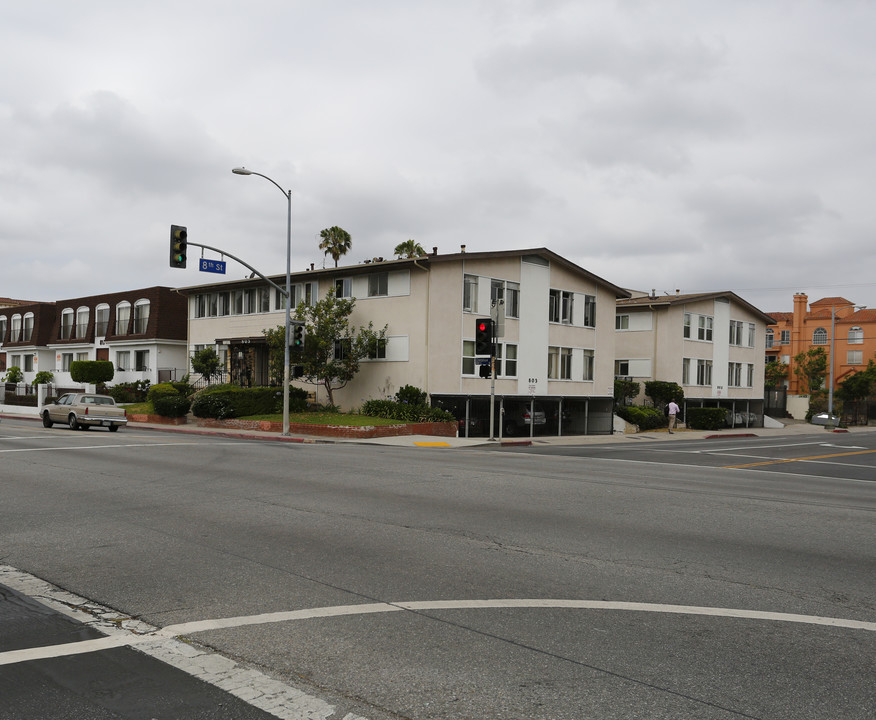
[335, 242]
[409, 249]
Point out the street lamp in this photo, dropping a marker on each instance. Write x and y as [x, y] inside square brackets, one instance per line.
[288, 195]
[832, 349]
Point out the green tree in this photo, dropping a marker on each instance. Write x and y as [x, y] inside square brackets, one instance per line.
[811, 368]
[661, 392]
[333, 347]
[409, 249]
[774, 373]
[625, 390]
[206, 363]
[14, 374]
[335, 242]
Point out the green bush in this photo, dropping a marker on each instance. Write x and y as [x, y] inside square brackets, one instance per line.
[92, 372]
[392, 410]
[171, 405]
[647, 418]
[661, 392]
[703, 418]
[132, 392]
[411, 395]
[14, 375]
[231, 401]
[161, 390]
[43, 377]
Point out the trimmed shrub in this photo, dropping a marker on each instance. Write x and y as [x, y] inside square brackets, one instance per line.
[43, 377]
[171, 405]
[14, 374]
[392, 410]
[647, 418]
[161, 390]
[92, 372]
[703, 418]
[231, 401]
[411, 395]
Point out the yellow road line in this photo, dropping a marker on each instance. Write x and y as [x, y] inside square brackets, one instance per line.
[801, 459]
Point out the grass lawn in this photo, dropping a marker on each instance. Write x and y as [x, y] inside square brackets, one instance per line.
[310, 418]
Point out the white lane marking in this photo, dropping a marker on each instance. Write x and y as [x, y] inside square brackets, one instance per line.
[103, 447]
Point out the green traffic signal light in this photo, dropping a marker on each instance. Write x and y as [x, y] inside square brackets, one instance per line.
[297, 344]
[178, 246]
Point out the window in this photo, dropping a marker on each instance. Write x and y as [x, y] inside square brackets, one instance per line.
[378, 284]
[470, 293]
[751, 333]
[123, 360]
[510, 359]
[16, 331]
[141, 360]
[343, 347]
[344, 287]
[590, 310]
[819, 337]
[685, 371]
[785, 338]
[468, 357]
[512, 301]
[749, 381]
[622, 322]
[236, 303]
[66, 323]
[101, 320]
[704, 328]
[734, 374]
[855, 357]
[687, 325]
[622, 368]
[770, 337]
[377, 349]
[82, 317]
[560, 308]
[141, 316]
[264, 299]
[736, 330]
[28, 362]
[82, 356]
[589, 358]
[856, 336]
[2, 328]
[66, 361]
[559, 363]
[28, 327]
[16, 361]
[123, 317]
[704, 372]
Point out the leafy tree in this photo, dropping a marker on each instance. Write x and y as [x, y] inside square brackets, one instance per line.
[333, 348]
[409, 249]
[14, 374]
[774, 373]
[625, 390]
[206, 363]
[335, 242]
[661, 392]
[43, 377]
[811, 367]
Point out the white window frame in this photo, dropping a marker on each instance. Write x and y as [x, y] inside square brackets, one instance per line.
[705, 328]
[856, 335]
[819, 336]
[855, 357]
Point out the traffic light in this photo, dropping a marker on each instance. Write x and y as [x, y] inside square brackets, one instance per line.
[178, 245]
[296, 345]
[484, 336]
[486, 371]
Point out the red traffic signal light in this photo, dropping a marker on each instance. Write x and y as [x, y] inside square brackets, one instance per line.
[484, 336]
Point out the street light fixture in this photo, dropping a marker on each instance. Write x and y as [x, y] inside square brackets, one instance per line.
[832, 350]
[288, 195]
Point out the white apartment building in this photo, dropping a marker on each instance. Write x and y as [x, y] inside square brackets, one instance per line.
[711, 344]
[557, 349]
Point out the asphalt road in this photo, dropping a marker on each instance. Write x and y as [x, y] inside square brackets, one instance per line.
[353, 581]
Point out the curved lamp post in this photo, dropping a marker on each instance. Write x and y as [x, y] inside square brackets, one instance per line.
[288, 195]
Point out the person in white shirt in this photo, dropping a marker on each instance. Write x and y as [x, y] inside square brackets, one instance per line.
[673, 415]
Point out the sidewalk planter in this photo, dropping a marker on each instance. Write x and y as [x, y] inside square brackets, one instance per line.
[441, 429]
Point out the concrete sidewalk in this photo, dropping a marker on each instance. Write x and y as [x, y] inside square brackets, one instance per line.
[794, 427]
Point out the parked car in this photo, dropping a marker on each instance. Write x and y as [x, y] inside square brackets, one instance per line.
[517, 419]
[80, 411]
[825, 419]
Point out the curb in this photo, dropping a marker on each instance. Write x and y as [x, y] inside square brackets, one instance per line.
[734, 435]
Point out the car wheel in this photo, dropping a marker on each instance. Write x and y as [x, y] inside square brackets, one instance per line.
[113, 428]
[72, 422]
[46, 420]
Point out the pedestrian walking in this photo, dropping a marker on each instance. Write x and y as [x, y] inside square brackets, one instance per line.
[673, 415]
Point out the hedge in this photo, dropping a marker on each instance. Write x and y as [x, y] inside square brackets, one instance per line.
[647, 418]
[130, 392]
[392, 410]
[706, 418]
[161, 390]
[171, 405]
[92, 372]
[230, 401]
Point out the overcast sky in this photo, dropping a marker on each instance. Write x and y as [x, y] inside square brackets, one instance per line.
[663, 144]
